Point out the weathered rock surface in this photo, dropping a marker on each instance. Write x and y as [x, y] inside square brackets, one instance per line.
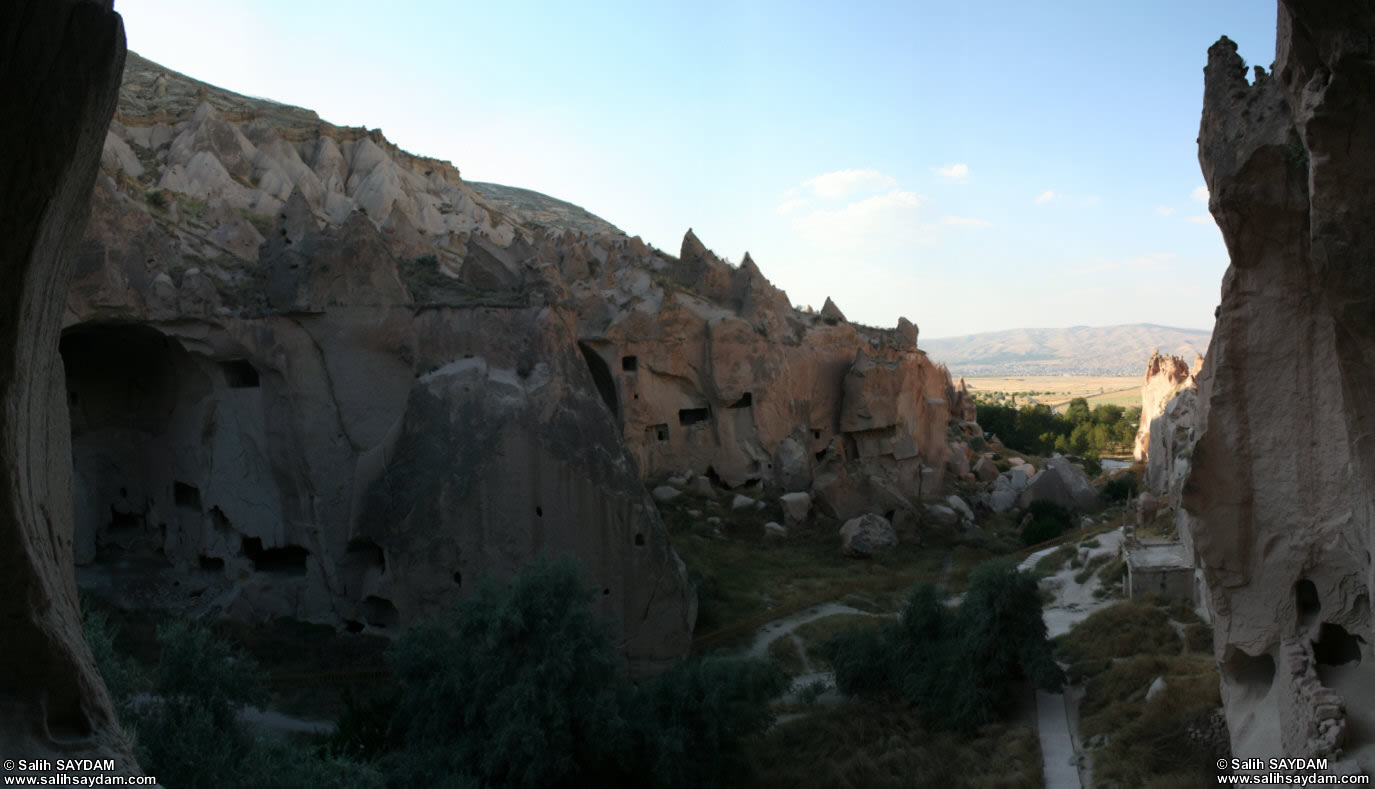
[867, 535]
[1166, 376]
[58, 81]
[1060, 482]
[1279, 492]
[330, 336]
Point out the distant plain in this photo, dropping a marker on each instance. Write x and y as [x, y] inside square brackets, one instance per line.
[1058, 390]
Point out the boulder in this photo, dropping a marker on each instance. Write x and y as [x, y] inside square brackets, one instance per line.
[942, 514]
[666, 493]
[792, 465]
[796, 507]
[958, 505]
[741, 502]
[1063, 483]
[772, 529]
[985, 470]
[867, 535]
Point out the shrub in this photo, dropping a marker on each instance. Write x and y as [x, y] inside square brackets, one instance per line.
[120, 673]
[521, 686]
[518, 687]
[156, 198]
[1120, 488]
[1048, 521]
[956, 669]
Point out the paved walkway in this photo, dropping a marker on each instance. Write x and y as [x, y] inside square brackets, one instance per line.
[1057, 749]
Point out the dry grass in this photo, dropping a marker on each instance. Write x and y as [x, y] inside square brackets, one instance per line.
[1129, 628]
[1118, 653]
[1061, 388]
[745, 579]
[874, 744]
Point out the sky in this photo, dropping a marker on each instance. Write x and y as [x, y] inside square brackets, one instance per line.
[972, 166]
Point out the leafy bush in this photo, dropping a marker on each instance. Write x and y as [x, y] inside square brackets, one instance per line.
[187, 732]
[1048, 521]
[1120, 488]
[521, 686]
[956, 669]
[156, 198]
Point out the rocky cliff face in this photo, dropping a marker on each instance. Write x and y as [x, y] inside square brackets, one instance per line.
[313, 375]
[1166, 376]
[1279, 493]
[59, 73]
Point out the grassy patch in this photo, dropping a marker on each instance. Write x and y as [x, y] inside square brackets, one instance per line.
[1118, 653]
[1132, 627]
[1053, 562]
[1148, 741]
[1082, 577]
[741, 576]
[744, 579]
[875, 744]
[816, 632]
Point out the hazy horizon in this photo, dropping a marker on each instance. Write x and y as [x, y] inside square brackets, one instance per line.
[974, 169]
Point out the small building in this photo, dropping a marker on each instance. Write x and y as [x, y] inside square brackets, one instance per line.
[1159, 570]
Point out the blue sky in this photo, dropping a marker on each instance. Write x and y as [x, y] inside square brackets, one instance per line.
[972, 166]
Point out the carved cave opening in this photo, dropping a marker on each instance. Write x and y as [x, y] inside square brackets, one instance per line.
[286, 560]
[124, 383]
[1306, 603]
[239, 374]
[693, 416]
[601, 377]
[1254, 675]
[1336, 647]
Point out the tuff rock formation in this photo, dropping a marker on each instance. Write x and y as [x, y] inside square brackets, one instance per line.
[1278, 497]
[313, 375]
[1166, 376]
[58, 80]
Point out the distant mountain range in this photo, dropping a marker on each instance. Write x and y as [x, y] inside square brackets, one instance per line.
[1077, 350]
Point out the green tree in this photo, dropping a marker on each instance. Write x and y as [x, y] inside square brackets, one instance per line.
[518, 687]
[521, 686]
[1078, 411]
[957, 670]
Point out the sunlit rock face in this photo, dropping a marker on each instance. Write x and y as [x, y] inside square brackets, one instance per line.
[1166, 376]
[58, 80]
[1277, 498]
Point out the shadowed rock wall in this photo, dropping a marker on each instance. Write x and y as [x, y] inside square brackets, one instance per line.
[60, 65]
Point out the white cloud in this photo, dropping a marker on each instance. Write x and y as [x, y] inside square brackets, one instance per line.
[886, 220]
[788, 206]
[1200, 193]
[1045, 197]
[957, 171]
[1201, 219]
[843, 183]
[965, 221]
[1164, 210]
